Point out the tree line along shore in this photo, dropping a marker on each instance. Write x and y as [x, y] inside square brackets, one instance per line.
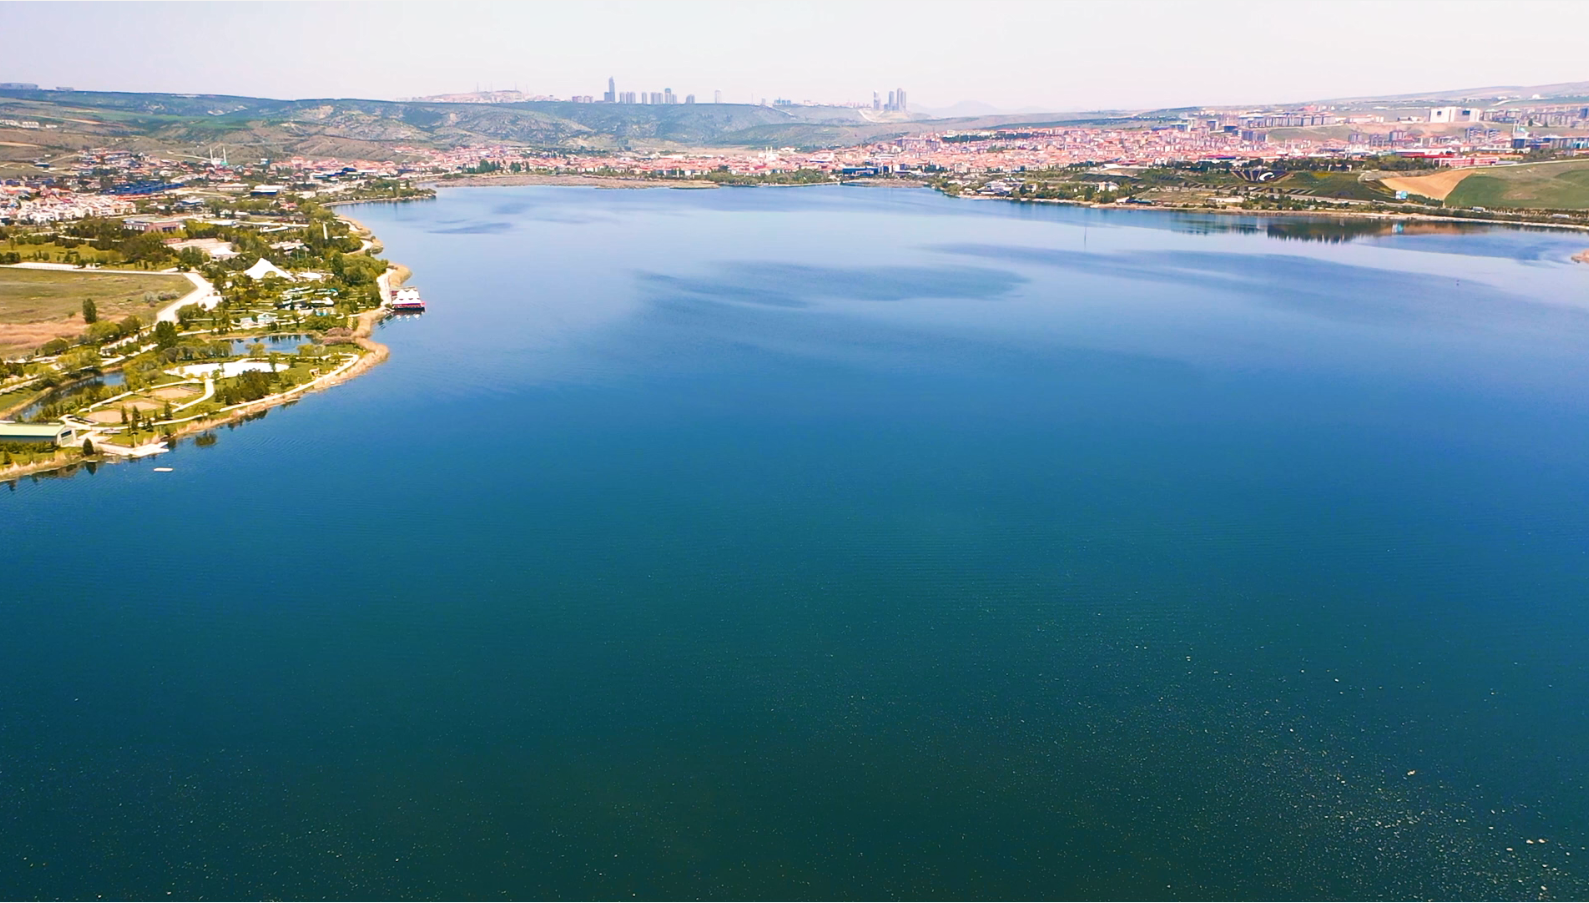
[1544, 193]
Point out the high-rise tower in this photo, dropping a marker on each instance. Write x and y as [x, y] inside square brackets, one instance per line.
[612, 91]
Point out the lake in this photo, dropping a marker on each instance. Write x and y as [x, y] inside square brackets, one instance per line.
[844, 542]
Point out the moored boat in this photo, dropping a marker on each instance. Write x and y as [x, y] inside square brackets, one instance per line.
[406, 299]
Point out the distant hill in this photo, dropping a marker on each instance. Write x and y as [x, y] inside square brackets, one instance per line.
[973, 108]
[375, 128]
[1491, 94]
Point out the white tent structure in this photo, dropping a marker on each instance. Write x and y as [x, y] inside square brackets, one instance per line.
[263, 268]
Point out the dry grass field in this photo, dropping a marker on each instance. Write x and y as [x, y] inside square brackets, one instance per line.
[1558, 185]
[39, 305]
[1435, 185]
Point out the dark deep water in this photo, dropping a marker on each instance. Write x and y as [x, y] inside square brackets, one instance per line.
[843, 543]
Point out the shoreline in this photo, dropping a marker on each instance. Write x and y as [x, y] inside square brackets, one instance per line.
[572, 179]
[1325, 214]
[1344, 211]
[372, 354]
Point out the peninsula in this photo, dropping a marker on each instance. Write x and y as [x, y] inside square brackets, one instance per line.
[191, 314]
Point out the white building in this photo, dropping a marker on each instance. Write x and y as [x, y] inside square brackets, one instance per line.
[263, 268]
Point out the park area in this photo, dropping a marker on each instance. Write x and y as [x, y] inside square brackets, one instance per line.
[1560, 185]
[1555, 185]
[39, 305]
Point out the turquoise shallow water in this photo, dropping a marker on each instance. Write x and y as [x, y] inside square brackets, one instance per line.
[843, 543]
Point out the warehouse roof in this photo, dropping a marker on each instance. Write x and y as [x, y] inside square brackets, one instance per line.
[41, 431]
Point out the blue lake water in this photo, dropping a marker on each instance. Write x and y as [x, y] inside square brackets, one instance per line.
[843, 543]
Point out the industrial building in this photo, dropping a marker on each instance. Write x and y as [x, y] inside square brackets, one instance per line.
[37, 433]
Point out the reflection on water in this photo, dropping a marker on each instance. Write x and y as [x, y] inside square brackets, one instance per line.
[843, 543]
[100, 383]
[286, 343]
[1324, 228]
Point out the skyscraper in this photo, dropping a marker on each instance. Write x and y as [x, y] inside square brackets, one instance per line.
[717, 97]
[667, 96]
[612, 92]
[899, 101]
[892, 106]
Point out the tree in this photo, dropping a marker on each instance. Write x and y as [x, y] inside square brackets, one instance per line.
[88, 448]
[191, 258]
[165, 334]
[81, 359]
[103, 331]
[90, 311]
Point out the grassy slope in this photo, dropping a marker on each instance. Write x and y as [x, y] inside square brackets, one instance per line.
[38, 305]
[1345, 185]
[1562, 185]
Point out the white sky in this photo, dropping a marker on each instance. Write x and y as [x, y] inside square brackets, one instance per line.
[1052, 55]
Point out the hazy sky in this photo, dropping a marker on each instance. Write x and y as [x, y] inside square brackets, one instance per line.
[1058, 56]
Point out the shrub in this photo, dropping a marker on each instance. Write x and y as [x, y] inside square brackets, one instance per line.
[104, 331]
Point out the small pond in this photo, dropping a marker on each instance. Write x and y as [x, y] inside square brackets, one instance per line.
[113, 380]
[284, 344]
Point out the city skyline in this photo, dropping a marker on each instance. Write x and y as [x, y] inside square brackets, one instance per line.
[1087, 58]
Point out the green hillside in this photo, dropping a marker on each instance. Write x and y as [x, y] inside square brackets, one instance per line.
[1345, 185]
[251, 126]
[1562, 185]
[373, 127]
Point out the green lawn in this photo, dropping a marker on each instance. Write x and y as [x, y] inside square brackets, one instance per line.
[16, 398]
[1345, 185]
[50, 252]
[1562, 185]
